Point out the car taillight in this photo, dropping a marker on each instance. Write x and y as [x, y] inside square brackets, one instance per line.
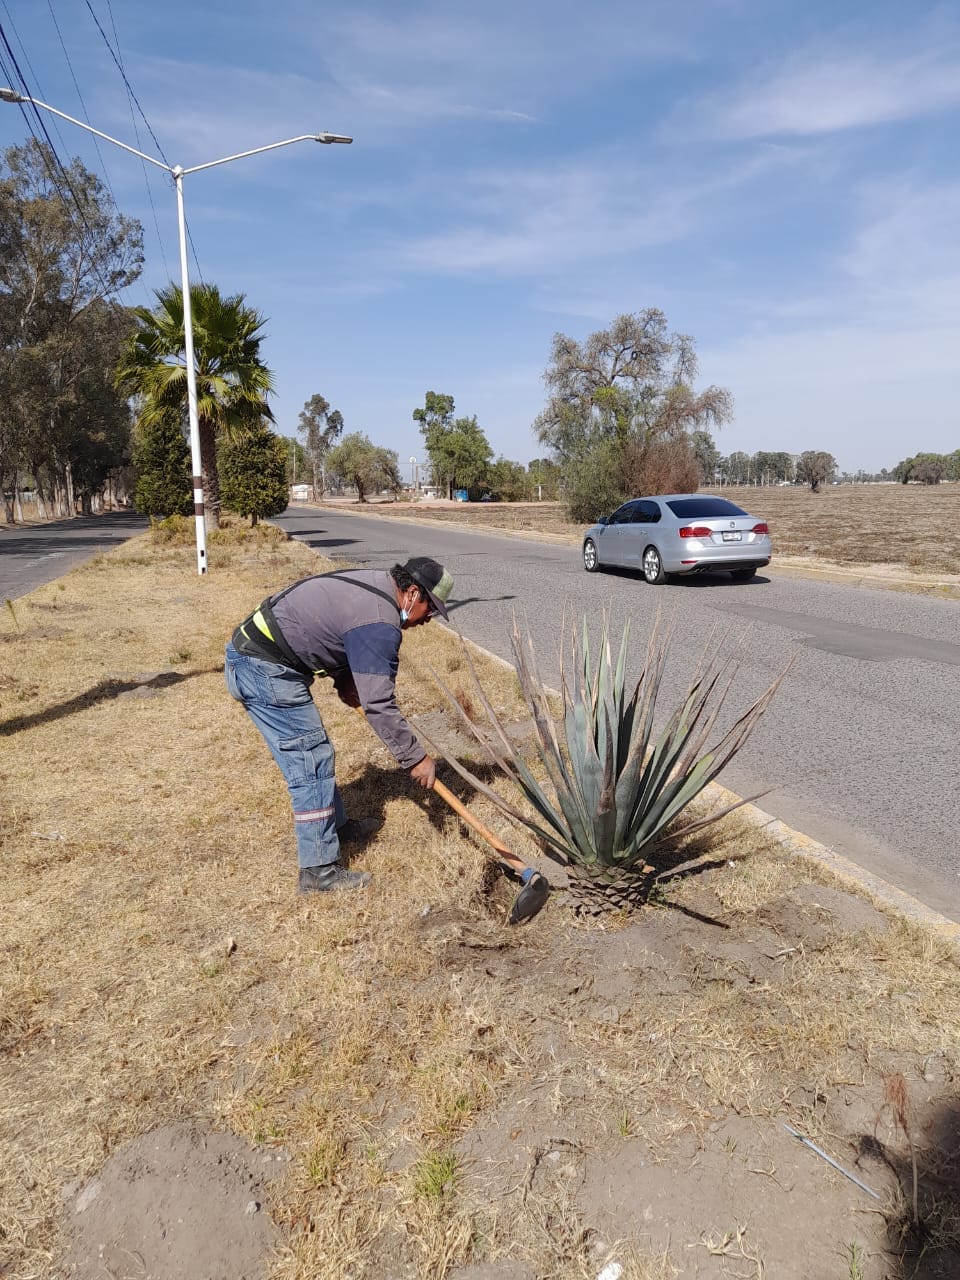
[760, 528]
[695, 531]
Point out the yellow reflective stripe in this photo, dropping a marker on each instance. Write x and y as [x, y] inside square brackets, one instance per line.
[260, 623]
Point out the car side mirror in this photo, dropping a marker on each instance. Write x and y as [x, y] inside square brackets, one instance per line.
[604, 520]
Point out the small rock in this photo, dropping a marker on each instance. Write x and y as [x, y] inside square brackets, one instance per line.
[253, 1206]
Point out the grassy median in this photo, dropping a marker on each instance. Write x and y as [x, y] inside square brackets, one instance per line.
[437, 1090]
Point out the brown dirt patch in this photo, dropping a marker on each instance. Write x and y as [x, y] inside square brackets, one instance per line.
[177, 1203]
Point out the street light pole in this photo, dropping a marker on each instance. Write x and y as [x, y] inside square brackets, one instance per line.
[178, 173]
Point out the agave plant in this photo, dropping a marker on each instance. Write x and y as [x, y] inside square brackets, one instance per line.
[617, 786]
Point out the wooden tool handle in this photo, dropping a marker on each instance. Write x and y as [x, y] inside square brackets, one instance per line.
[460, 808]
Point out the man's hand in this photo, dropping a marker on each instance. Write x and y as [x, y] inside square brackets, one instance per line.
[425, 772]
[348, 694]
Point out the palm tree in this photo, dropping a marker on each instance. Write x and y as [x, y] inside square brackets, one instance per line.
[232, 380]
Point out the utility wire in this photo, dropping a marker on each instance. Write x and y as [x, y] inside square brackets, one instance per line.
[96, 141]
[26, 58]
[136, 131]
[116, 55]
[123, 76]
[57, 164]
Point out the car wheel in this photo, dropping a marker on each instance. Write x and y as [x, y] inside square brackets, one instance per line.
[743, 575]
[591, 561]
[653, 567]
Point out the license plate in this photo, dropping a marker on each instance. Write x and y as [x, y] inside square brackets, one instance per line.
[730, 537]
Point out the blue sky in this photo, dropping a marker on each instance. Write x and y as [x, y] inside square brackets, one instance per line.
[781, 179]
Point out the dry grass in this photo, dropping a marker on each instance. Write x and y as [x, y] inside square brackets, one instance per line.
[912, 526]
[155, 962]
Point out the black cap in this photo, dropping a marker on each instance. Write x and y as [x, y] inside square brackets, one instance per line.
[433, 579]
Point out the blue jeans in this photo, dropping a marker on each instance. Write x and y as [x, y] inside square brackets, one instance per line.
[279, 703]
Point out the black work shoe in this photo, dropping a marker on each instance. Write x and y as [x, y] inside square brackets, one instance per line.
[358, 830]
[329, 878]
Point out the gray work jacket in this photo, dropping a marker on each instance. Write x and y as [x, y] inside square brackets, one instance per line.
[344, 630]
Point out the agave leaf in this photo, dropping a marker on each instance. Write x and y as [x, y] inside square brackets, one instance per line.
[615, 785]
[709, 818]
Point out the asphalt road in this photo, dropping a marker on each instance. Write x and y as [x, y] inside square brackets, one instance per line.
[860, 744]
[31, 555]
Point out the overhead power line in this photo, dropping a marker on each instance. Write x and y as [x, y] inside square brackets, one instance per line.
[56, 171]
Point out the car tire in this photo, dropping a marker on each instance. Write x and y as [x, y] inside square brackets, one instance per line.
[591, 561]
[653, 567]
[743, 575]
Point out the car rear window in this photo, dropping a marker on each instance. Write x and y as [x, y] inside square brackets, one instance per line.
[688, 508]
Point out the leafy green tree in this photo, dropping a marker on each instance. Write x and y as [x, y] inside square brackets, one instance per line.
[458, 451]
[253, 473]
[507, 481]
[436, 423]
[928, 468]
[298, 463]
[364, 466]
[707, 455]
[596, 486]
[630, 386]
[952, 464]
[816, 468]
[465, 456]
[232, 380]
[769, 468]
[543, 478]
[161, 458]
[62, 264]
[737, 468]
[437, 412]
[319, 426]
[95, 420]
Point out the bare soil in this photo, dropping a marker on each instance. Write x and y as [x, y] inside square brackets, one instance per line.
[203, 1075]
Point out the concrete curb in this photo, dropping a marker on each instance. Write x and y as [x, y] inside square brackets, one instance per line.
[882, 891]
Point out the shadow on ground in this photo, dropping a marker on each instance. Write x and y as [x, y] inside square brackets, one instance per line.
[139, 686]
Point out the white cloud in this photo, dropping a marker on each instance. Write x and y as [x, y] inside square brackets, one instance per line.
[541, 220]
[816, 94]
[905, 260]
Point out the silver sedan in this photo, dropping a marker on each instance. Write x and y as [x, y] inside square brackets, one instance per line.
[678, 533]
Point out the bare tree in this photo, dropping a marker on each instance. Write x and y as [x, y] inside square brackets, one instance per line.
[320, 426]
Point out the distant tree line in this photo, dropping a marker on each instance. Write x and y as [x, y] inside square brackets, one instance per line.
[928, 468]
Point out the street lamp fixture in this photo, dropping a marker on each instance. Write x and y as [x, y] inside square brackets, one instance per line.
[178, 173]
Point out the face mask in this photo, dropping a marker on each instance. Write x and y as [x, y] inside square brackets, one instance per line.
[404, 615]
